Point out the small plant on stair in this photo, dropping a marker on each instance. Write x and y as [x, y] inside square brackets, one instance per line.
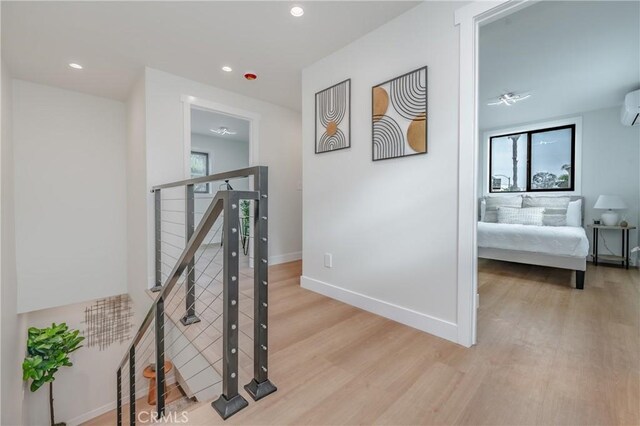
[48, 349]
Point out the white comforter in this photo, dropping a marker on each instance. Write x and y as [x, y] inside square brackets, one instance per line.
[554, 240]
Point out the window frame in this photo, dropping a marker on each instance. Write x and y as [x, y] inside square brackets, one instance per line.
[207, 185]
[533, 130]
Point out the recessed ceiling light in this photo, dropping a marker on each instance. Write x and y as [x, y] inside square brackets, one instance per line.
[75, 66]
[227, 69]
[297, 11]
[250, 76]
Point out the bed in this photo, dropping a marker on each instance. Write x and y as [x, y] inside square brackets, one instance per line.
[564, 247]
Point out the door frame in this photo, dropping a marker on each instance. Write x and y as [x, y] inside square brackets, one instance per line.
[190, 102]
[469, 19]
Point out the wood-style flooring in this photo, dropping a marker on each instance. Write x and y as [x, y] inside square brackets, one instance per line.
[546, 354]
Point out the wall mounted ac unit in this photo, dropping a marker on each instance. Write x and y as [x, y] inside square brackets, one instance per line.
[631, 109]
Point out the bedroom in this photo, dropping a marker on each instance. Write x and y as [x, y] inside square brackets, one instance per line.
[558, 172]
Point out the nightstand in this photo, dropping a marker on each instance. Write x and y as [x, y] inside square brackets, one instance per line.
[624, 254]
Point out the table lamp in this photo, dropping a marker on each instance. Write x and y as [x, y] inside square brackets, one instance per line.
[610, 203]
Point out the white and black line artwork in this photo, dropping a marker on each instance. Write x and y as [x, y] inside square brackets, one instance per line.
[399, 116]
[108, 321]
[333, 118]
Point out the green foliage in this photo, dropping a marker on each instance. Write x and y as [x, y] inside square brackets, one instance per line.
[48, 349]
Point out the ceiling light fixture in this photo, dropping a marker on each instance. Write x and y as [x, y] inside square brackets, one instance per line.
[509, 99]
[75, 66]
[227, 68]
[250, 76]
[297, 11]
[222, 131]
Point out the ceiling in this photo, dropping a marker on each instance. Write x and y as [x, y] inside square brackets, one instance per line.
[115, 40]
[202, 121]
[572, 56]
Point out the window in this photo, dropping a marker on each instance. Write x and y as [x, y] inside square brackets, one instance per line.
[533, 161]
[199, 168]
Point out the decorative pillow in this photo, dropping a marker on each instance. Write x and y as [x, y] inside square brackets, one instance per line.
[521, 216]
[574, 213]
[555, 208]
[492, 204]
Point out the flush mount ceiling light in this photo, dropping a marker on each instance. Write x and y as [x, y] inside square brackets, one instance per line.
[297, 11]
[227, 68]
[509, 99]
[75, 66]
[222, 131]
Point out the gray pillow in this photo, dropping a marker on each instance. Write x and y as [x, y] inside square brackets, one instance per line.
[492, 204]
[555, 208]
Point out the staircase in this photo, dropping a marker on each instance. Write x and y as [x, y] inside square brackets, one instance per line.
[208, 323]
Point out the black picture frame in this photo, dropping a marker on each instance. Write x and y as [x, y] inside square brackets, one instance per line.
[348, 109]
[426, 112]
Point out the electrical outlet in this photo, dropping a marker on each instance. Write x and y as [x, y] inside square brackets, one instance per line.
[328, 260]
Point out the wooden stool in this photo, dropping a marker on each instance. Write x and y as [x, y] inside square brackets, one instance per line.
[150, 374]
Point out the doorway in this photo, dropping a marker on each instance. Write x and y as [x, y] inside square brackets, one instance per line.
[219, 139]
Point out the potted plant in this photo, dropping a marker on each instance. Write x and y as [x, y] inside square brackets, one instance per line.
[48, 349]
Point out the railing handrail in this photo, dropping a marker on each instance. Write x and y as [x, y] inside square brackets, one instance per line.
[210, 216]
[239, 173]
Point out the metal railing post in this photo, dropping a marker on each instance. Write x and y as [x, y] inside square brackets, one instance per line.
[132, 386]
[230, 402]
[160, 373]
[158, 237]
[260, 386]
[190, 283]
[119, 396]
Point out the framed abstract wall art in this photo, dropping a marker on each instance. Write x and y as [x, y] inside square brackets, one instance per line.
[399, 116]
[333, 118]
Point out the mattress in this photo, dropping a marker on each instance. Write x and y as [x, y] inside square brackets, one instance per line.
[553, 240]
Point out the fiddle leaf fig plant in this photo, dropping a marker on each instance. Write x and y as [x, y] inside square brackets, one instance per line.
[48, 349]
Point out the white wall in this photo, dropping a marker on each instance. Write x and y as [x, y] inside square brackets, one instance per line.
[609, 165]
[137, 194]
[224, 154]
[391, 225]
[82, 391]
[70, 196]
[13, 329]
[279, 148]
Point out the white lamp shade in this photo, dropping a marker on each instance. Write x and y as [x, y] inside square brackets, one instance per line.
[612, 202]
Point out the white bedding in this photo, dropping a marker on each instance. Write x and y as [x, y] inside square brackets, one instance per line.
[554, 240]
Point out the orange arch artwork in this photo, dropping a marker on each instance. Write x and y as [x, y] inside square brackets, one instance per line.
[399, 116]
[333, 118]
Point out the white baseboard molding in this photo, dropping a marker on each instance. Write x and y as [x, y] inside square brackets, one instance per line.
[284, 258]
[140, 393]
[92, 414]
[437, 327]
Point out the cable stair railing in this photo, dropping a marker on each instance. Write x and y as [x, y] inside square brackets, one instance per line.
[207, 327]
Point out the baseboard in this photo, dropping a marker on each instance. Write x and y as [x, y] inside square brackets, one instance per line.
[284, 258]
[437, 327]
[92, 414]
[141, 393]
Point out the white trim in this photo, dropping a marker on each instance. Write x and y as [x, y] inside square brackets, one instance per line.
[284, 258]
[469, 18]
[92, 414]
[438, 327]
[254, 126]
[528, 127]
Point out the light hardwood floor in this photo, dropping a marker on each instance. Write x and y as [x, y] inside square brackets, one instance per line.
[546, 354]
